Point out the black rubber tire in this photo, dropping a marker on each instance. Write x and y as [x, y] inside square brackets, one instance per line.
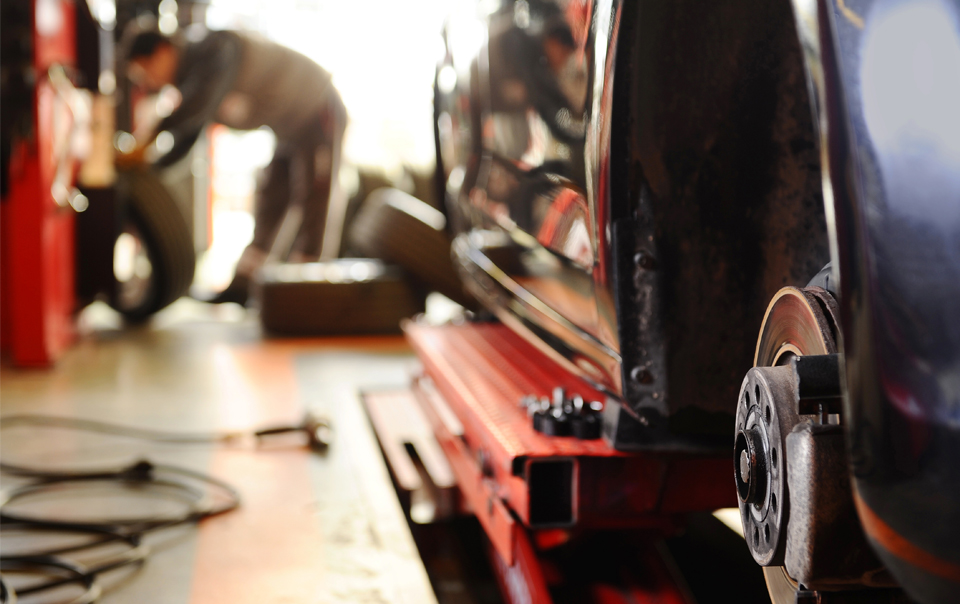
[329, 298]
[403, 230]
[150, 208]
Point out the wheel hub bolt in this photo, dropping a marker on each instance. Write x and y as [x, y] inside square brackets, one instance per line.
[744, 466]
[750, 466]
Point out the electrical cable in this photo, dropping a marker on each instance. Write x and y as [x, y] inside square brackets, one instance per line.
[317, 430]
[7, 595]
[70, 573]
[88, 425]
[199, 496]
[98, 538]
[143, 476]
[51, 560]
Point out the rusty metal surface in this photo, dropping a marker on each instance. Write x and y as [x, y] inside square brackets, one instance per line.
[826, 547]
[639, 296]
[720, 144]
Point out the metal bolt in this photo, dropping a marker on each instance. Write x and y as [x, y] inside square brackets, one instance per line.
[645, 260]
[750, 467]
[744, 466]
[807, 597]
[641, 376]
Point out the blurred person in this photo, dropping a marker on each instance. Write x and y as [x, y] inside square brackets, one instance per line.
[244, 81]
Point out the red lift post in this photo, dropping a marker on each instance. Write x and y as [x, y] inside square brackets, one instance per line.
[37, 231]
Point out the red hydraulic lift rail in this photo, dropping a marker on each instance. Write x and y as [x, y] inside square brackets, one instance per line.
[474, 377]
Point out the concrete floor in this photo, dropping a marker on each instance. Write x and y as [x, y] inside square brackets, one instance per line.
[311, 528]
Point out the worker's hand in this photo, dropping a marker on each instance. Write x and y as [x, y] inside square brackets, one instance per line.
[135, 158]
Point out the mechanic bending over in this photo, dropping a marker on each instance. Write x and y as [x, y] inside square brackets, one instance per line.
[244, 81]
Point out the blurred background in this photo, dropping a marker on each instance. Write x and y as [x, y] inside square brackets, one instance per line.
[142, 217]
[382, 55]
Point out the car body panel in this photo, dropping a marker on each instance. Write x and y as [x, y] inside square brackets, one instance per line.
[888, 77]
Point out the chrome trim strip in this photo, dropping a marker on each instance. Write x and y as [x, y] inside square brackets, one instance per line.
[567, 344]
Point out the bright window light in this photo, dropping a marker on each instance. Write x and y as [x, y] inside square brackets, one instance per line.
[382, 54]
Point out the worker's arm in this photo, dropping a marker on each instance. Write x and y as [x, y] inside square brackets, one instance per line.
[209, 71]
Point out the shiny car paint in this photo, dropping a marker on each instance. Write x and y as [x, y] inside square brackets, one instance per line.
[887, 74]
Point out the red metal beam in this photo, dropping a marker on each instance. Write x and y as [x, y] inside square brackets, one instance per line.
[481, 371]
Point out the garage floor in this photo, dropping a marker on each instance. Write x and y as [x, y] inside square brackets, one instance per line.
[318, 528]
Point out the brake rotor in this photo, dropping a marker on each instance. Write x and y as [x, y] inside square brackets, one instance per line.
[798, 322]
[781, 587]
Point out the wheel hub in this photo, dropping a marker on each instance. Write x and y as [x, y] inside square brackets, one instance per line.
[762, 425]
[798, 322]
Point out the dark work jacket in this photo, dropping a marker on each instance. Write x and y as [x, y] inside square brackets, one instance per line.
[243, 81]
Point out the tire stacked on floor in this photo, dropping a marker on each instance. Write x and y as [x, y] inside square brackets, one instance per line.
[163, 231]
[339, 297]
[409, 255]
[402, 230]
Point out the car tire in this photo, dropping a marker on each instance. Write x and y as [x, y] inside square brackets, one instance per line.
[153, 218]
[405, 231]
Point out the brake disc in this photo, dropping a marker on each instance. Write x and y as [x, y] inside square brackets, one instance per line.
[798, 322]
